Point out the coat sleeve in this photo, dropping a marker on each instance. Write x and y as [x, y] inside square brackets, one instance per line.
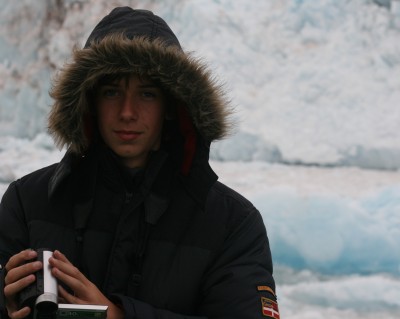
[13, 234]
[13, 227]
[239, 283]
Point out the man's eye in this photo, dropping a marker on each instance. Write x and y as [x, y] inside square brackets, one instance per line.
[149, 94]
[110, 93]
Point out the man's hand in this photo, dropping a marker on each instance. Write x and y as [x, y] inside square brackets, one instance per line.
[85, 292]
[19, 275]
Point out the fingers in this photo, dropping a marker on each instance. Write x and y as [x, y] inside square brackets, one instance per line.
[20, 258]
[60, 256]
[10, 290]
[84, 291]
[61, 263]
[67, 273]
[22, 313]
[66, 296]
[19, 275]
[20, 272]
[72, 281]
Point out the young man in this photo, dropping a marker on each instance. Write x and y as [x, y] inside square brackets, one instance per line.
[134, 214]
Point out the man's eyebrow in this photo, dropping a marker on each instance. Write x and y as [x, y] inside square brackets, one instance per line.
[148, 86]
[112, 84]
[109, 83]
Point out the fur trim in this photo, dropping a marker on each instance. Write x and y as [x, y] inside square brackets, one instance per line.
[184, 77]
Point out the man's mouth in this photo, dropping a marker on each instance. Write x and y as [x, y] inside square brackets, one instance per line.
[127, 135]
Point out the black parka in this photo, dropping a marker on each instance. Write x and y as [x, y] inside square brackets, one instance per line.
[167, 241]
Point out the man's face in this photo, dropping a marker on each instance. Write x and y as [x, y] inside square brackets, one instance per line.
[130, 115]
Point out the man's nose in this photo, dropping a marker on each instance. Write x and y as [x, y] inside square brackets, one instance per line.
[128, 111]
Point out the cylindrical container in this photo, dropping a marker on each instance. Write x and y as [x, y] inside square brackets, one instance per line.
[46, 302]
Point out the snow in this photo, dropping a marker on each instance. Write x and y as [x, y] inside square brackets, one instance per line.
[316, 89]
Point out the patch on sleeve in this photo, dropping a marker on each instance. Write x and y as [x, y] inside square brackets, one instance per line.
[266, 288]
[269, 308]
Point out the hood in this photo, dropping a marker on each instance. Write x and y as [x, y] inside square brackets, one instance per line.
[138, 42]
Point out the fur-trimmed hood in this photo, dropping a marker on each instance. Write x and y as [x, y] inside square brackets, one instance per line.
[131, 41]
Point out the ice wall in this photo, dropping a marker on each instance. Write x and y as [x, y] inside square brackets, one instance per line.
[313, 82]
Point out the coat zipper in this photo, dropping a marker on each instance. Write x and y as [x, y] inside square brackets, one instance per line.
[128, 197]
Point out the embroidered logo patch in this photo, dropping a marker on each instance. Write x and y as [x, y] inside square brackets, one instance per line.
[269, 308]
